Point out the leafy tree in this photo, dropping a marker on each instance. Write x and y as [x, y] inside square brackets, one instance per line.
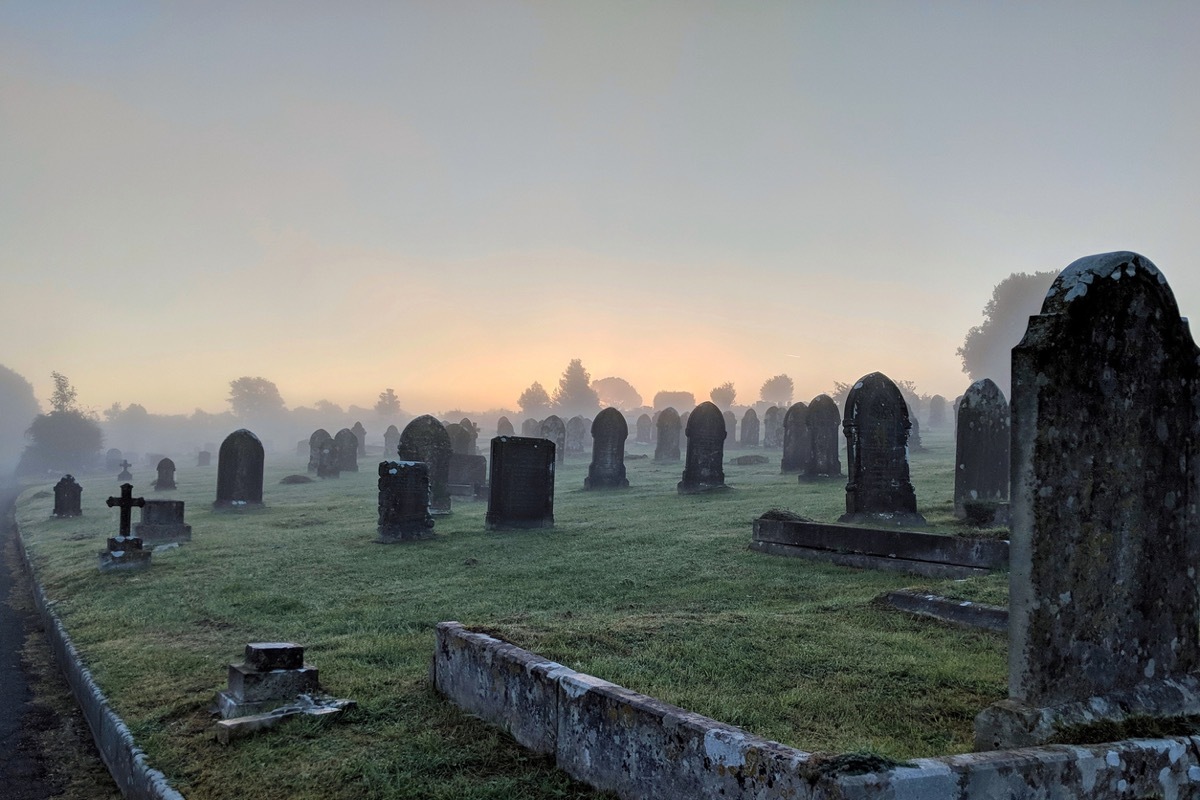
[388, 405]
[534, 401]
[680, 401]
[777, 391]
[64, 395]
[986, 351]
[617, 392]
[723, 396]
[329, 408]
[255, 397]
[18, 407]
[575, 394]
[66, 439]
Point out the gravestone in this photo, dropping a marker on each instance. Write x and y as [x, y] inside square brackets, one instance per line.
[360, 435]
[704, 469]
[166, 475]
[914, 434]
[425, 439]
[823, 421]
[937, 412]
[1103, 601]
[68, 497]
[654, 428]
[273, 675]
[162, 523]
[531, 429]
[645, 430]
[468, 475]
[504, 427]
[204, 458]
[730, 429]
[577, 430]
[239, 471]
[113, 459]
[750, 428]
[302, 448]
[461, 440]
[773, 428]
[123, 551]
[124, 474]
[472, 431]
[796, 442]
[391, 441]
[321, 461]
[552, 428]
[404, 502]
[876, 425]
[683, 421]
[607, 470]
[981, 450]
[521, 491]
[345, 451]
[666, 449]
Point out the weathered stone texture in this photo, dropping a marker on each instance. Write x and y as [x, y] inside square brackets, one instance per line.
[360, 435]
[504, 427]
[607, 470]
[345, 451]
[669, 426]
[773, 428]
[391, 441]
[239, 471]
[645, 430]
[166, 474]
[321, 461]
[796, 441]
[750, 428]
[876, 425]
[981, 466]
[704, 469]
[554, 429]
[823, 421]
[424, 439]
[404, 501]
[577, 431]
[68, 495]
[521, 483]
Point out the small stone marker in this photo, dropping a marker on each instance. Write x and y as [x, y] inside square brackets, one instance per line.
[796, 443]
[1104, 607]
[981, 450]
[577, 430]
[704, 469]
[124, 552]
[203, 458]
[162, 523]
[345, 451]
[521, 491]
[730, 429]
[320, 455]
[124, 474]
[166, 475]
[750, 428]
[876, 425]
[68, 497]
[112, 459]
[425, 439]
[645, 430]
[360, 436]
[607, 470]
[823, 421]
[552, 428]
[239, 471]
[504, 427]
[404, 502]
[391, 441]
[666, 449]
[773, 428]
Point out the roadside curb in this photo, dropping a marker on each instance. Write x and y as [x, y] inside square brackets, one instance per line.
[128, 765]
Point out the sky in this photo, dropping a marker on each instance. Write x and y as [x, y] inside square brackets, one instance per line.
[454, 199]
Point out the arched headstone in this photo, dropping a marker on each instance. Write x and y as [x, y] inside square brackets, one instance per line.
[320, 454]
[704, 468]
[531, 429]
[391, 441]
[773, 428]
[607, 470]
[730, 429]
[360, 435]
[645, 429]
[504, 427]
[750, 428]
[981, 447]
[240, 464]
[666, 449]
[876, 425]
[166, 474]
[552, 428]
[823, 422]
[937, 412]
[68, 495]
[796, 442]
[577, 430]
[345, 451]
[461, 439]
[425, 439]
[112, 459]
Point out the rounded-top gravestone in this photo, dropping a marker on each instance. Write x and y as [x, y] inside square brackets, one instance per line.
[666, 449]
[320, 455]
[823, 421]
[577, 431]
[425, 439]
[607, 470]
[555, 430]
[166, 474]
[472, 431]
[113, 459]
[750, 428]
[504, 427]
[704, 469]
[345, 451]
[730, 429]
[645, 429]
[796, 443]
[981, 447]
[461, 440]
[68, 495]
[937, 412]
[240, 464]
[773, 427]
[391, 440]
[360, 433]
[531, 429]
[876, 426]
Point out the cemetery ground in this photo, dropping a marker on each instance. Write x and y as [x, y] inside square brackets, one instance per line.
[643, 587]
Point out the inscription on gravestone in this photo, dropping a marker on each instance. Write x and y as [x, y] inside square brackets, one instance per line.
[876, 425]
[404, 502]
[425, 439]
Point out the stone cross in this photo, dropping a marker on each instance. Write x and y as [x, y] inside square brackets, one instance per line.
[126, 502]
[124, 465]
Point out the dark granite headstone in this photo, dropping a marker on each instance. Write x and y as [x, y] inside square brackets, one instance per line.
[981, 450]
[345, 451]
[360, 435]
[68, 497]
[704, 469]
[320, 455]
[240, 471]
[162, 523]
[773, 428]
[404, 501]
[577, 430]
[824, 422]
[521, 492]
[730, 429]
[531, 429]
[391, 441]
[468, 475]
[166, 474]
[876, 425]
[750, 428]
[796, 443]
[113, 459]
[645, 430]
[461, 440]
[666, 449]
[1104, 610]
[425, 439]
[552, 428]
[607, 470]
[937, 412]
[504, 427]
[204, 458]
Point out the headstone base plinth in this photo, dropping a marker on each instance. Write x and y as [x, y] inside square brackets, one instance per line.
[124, 554]
[899, 519]
[274, 674]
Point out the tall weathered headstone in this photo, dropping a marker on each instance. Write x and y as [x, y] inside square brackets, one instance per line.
[472, 431]
[981, 464]
[504, 427]
[521, 490]
[704, 469]
[321, 461]
[730, 429]
[666, 449]
[345, 451]
[645, 430]
[424, 439]
[937, 412]
[391, 441]
[823, 421]
[796, 442]
[773, 428]
[750, 428]
[240, 464]
[166, 474]
[360, 435]
[577, 430]
[460, 439]
[876, 425]
[607, 470]
[68, 495]
[552, 428]
[531, 429]
[914, 434]
[404, 501]
[1104, 607]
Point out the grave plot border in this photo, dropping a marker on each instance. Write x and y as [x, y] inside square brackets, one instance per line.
[946, 609]
[930, 555]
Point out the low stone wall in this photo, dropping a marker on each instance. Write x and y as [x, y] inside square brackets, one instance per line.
[956, 612]
[928, 554]
[638, 747]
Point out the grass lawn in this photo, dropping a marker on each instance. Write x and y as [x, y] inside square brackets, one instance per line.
[643, 587]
